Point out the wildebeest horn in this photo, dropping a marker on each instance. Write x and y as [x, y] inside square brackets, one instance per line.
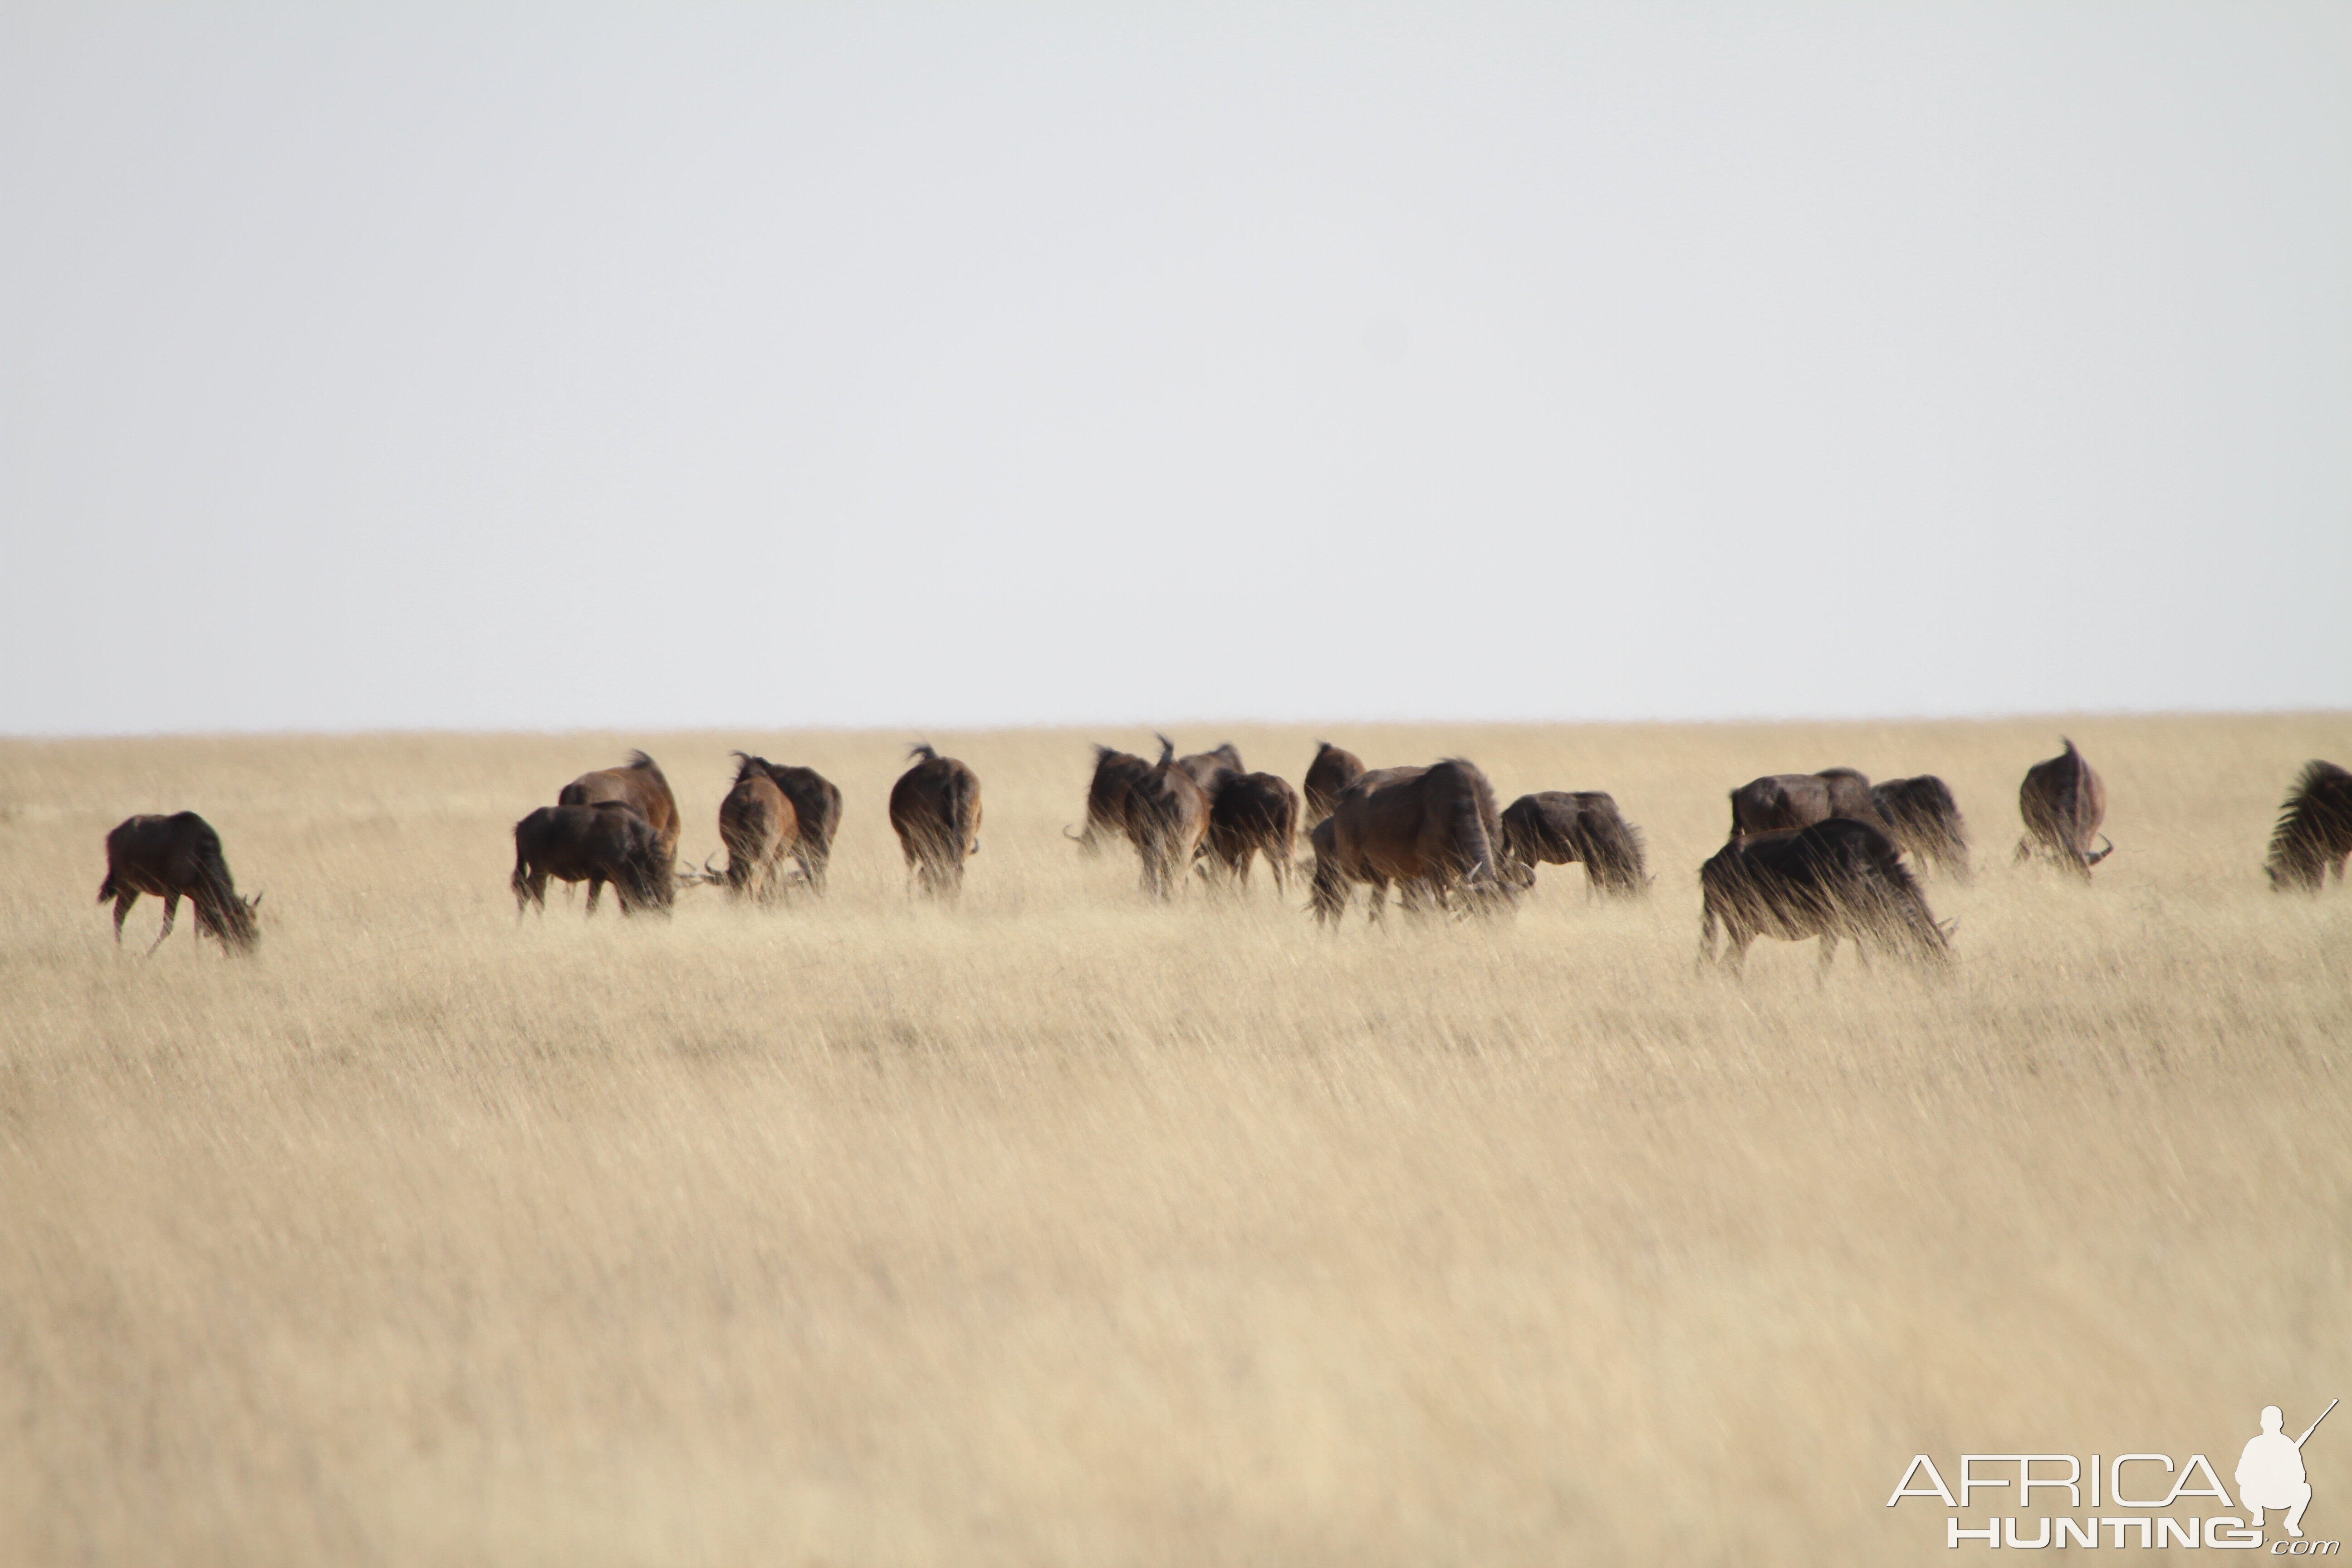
[2094, 859]
[1073, 838]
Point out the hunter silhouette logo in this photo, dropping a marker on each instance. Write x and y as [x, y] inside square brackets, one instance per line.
[2270, 1477]
[2269, 1472]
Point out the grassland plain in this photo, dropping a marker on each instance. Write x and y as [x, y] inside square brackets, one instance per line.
[1057, 1227]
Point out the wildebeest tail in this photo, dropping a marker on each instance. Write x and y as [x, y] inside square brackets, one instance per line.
[922, 749]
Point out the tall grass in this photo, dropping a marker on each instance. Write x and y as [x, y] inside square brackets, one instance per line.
[1059, 1227]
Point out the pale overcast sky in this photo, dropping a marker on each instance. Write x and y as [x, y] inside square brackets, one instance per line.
[655, 365]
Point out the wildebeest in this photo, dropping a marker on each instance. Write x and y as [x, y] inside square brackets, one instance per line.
[607, 842]
[637, 782]
[935, 811]
[1333, 770]
[1210, 769]
[1922, 816]
[173, 857]
[1556, 827]
[2063, 802]
[1115, 773]
[1167, 819]
[1434, 830]
[1779, 801]
[816, 815]
[1255, 813]
[1837, 877]
[2315, 829]
[759, 826]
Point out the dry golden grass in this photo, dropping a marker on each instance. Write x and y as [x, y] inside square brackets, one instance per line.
[1062, 1228]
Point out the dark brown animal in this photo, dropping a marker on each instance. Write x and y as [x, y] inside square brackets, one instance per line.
[638, 784]
[1434, 830]
[1779, 801]
[2063, 802]
[170, 857]
[1560, 828]
[1210, 769]
[1333, 770]
[2314, 830]
[607, 842]
[1922, 816]
[816, 815]
[935, 811]
[1167, 820]
[1837, 877]
[1255, 813]
[759, 826]
[1115, 775]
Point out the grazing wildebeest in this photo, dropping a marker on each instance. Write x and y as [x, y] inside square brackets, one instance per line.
[607, 842]
[759, 826]
[640, 785]
[1115, 775]
[816, 815]
[2315, 829]
[170, 857]
[1434, 830]
[1922, 816]
[1255, 813]
[2063, 802]
[1837, 877]
[935, 811]
[1556, 827]
[1167, 819]
[1333, 770]
[1779, 801]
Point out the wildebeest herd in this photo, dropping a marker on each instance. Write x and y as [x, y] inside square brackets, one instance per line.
[1825, 855]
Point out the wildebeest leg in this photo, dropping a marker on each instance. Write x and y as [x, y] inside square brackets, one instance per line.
[1827, 956]
[595, 887]
[1706, 936]
[171, 913]
[2024, 853]
[123, 902]
[1378, 897]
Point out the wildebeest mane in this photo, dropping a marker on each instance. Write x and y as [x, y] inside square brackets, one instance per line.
[1473, 808]
[1613, 852]
[2315, 829]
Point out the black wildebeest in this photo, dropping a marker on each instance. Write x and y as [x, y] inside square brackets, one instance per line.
[1434, 830]
[816, 815]
[637, 782]
[1556, 827]
[1210, 769]
[759, 826]
[1779, 801]
[1167, 820]
[173, 857]
[2063, 802]
[2315, 829]
[1255, 813]
[607, 842]
[935, 811]
[1333, 770]
[1922, 816]
[1115, 775]
[1837, 877]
